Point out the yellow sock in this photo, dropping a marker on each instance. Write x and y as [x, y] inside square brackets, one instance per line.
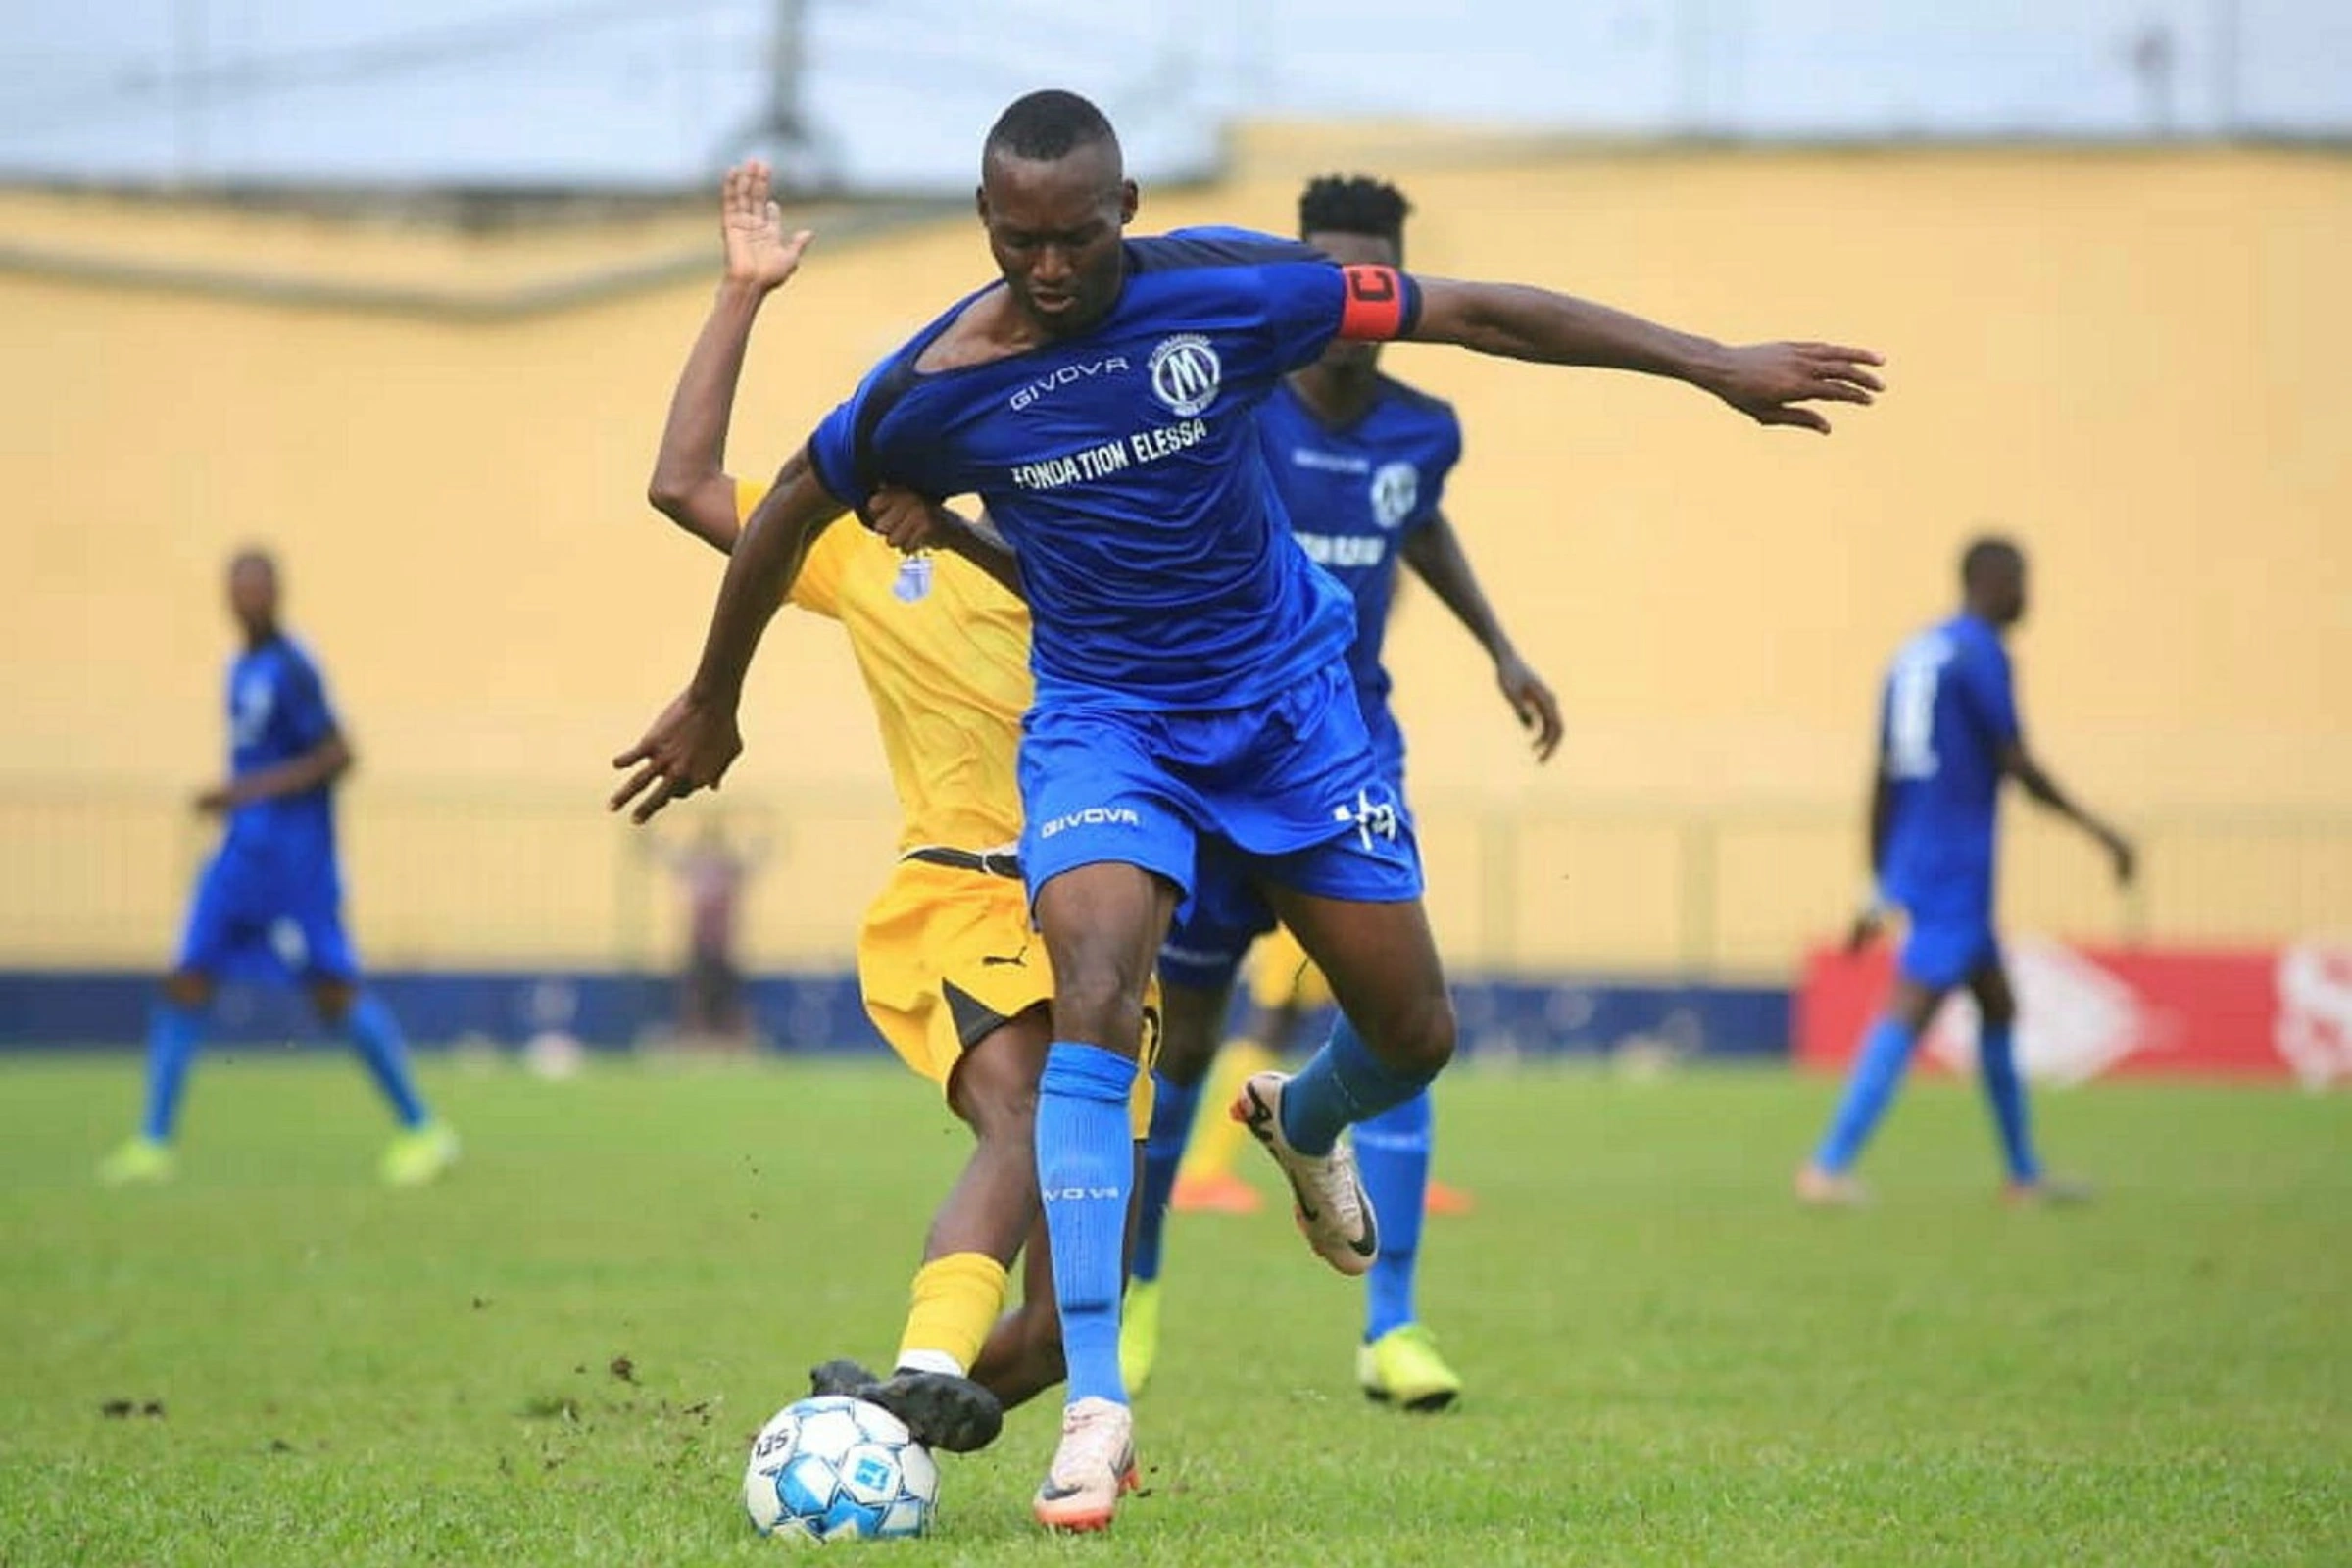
[952, 1305]
[1217, 1137]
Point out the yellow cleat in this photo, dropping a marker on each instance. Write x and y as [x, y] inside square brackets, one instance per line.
[418, 1155]
[1139, 1334]
[1403, 1367]
[142, 1160]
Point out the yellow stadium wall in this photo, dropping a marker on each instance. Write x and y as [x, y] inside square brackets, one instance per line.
[2131, 359]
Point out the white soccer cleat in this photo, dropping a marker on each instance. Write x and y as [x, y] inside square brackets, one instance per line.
[1092, 1469]
[1333, 1209]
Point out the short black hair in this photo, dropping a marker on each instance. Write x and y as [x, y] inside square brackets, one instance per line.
[254, 556]
[1354, 204]
[1986, 554]
[1047, 125]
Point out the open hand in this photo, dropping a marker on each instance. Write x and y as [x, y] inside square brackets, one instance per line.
[1538, 709]
[690, 746]
[750, 226]
[1771, 382]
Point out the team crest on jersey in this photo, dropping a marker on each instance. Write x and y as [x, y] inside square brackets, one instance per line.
[1186, 373]
[914, 582]
[1395, 490]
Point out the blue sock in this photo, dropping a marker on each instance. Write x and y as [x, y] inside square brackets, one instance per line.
[375, 1034]
[1343, 1083]
[1085, 1164]
[1172, 1109]
[1885, 1052]
[174, 1033]
[1391, 1151]
[1996, 1056]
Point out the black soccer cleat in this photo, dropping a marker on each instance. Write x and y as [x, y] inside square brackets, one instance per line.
[840, 1377]
[941, 1409]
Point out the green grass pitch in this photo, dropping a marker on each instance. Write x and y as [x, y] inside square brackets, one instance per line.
[1669, 1363]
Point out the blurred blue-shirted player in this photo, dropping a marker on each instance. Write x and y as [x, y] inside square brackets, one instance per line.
[270, 903]
[1948, 735]
[1192, 705]
[1359, 462]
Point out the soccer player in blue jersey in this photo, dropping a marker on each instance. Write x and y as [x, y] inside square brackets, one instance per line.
[1948, 737]
[1193, 707]
[271, 902]
[1359, 464]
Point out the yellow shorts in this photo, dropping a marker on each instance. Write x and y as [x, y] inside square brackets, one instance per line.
[1281, 975]
[947, 955]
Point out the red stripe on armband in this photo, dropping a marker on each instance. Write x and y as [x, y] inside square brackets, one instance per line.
[1380, 303]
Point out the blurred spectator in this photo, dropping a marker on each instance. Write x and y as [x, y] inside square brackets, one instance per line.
[712, 870]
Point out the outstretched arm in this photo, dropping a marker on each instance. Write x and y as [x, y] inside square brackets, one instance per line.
[690, 484]
[694, 741]
[1435, 552]
[1769, 382]
[2020, 765]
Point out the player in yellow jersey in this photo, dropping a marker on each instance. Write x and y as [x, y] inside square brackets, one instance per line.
[945, 960]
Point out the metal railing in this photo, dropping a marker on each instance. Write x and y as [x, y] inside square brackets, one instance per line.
[95, 874]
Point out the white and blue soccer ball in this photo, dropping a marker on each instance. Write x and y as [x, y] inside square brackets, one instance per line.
[833, 1468]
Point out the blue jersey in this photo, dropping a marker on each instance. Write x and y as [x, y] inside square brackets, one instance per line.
[1948, 714]
[278, 711]
[1123, 466]
[1355, 495]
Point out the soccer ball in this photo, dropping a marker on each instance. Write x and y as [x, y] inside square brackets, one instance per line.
[833, 1468]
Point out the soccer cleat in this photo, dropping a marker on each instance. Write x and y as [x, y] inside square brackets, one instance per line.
[2047, 1192]
[1447, 1201]
[843, 1377]
[1139, 1334]
[1221, 1194]
[942, 1410]
[1333, 1210]
[418, 1155]
[142, 1160]
[1091, 1470]
[1820, 1188]
[1403, 1367]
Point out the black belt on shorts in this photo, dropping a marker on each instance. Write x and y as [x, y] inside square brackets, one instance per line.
[993, 861]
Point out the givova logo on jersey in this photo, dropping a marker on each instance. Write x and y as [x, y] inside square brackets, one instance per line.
[1186, 373]
[1396, 488]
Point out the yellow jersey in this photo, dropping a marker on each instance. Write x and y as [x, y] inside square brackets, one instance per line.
[945, 652]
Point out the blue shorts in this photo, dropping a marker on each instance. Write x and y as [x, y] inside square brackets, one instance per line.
[1942, 951]
[1228, 912]
[259, 920]
[1285, 792]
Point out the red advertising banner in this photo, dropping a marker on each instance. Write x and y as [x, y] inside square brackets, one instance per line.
[2089, 1012]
